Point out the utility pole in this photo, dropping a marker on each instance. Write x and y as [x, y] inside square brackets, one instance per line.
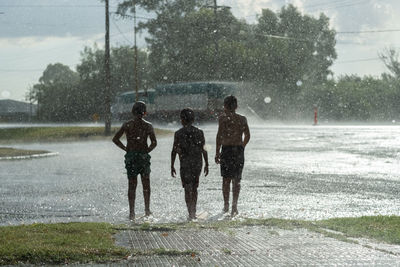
[136, 53]
[216, 36]
[135, 50]
[107, 89]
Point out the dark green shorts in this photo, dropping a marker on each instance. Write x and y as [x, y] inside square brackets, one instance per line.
[137, 163]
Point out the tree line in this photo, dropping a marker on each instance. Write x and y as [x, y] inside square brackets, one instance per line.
[285, 55]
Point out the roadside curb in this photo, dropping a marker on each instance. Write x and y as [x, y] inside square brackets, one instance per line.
[44, 155]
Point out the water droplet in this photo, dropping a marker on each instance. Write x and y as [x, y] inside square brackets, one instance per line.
[267, 100]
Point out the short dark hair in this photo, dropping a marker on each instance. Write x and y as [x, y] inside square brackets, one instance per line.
[139, 108]
[187, 115]
[230, 102]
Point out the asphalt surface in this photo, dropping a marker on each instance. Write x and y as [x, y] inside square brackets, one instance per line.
[296, 172]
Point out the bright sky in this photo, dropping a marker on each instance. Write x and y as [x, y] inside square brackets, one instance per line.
[36, 33]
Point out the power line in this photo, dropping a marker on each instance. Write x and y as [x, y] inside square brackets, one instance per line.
[45, 6]
[283, 37]
[326, 3]
[118, 29]
[327, 8]
[368, 31]
[358, 60]
[129, 16]
[339, 6]
[20, 70]
[45, 25]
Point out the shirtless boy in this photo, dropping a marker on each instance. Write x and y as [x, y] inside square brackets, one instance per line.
[137, 158]
[232, 138]
[189, 145]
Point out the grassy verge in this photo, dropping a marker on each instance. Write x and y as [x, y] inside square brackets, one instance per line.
[12, 152]
[381, 228]
[64, 243]
[58, 243]
[92, 242]
[56, 134]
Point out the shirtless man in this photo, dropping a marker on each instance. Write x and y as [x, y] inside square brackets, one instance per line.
[233, 136]
[137, 158]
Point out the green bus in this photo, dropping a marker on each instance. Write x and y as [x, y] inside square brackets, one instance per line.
[165, 101]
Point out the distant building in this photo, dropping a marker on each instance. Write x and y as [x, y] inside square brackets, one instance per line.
[12, 110]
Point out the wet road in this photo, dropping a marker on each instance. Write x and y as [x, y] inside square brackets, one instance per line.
[298, 172]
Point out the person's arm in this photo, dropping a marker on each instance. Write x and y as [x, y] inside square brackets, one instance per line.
[117, 136]
[218, 143]
[205, 155]
[173, 157]
[246, 133]
[153, 140]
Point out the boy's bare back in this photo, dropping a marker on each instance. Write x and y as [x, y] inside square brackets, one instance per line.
[137, 131]
[231, 128]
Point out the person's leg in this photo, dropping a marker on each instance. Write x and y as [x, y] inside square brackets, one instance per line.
[146, 193]
[235, 193]
[188, 199]
[226, 184]
[132, 183]
[194, 201]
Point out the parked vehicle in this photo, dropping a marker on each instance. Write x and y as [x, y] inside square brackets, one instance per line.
[165, 101]
[122, 106]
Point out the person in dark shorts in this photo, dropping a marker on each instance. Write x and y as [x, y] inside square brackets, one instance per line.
[189, 145]
[137, 158]
[232, 137]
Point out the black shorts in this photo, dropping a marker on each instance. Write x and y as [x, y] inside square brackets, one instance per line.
[190, 175]
[232, 161]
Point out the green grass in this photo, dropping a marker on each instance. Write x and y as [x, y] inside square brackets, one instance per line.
[381, 228]
[12, 152]
[56, 134]
[59, 243]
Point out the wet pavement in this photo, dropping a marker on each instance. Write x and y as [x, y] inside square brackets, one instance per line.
[296, 172]
[252, 246]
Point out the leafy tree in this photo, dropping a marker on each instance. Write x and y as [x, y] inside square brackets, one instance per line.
[91, 71]
[390, 58]
[66, 95]
[182, 40]
[277, 52]
[56, 93]
[353, 98]
[292, 47]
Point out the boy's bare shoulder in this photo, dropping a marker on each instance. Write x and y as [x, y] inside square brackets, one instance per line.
[237, 117]
[241, 117]
[179, 131]
[138, 124]
[147, 123]
[148, 126]
[222, 117]
[127, 124]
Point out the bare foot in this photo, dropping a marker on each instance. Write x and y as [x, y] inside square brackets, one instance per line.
[148, 213]
[226, 208]
[234, 212]
[192, 218]
[132, 216]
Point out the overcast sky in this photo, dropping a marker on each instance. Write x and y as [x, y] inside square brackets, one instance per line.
[35, 33]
